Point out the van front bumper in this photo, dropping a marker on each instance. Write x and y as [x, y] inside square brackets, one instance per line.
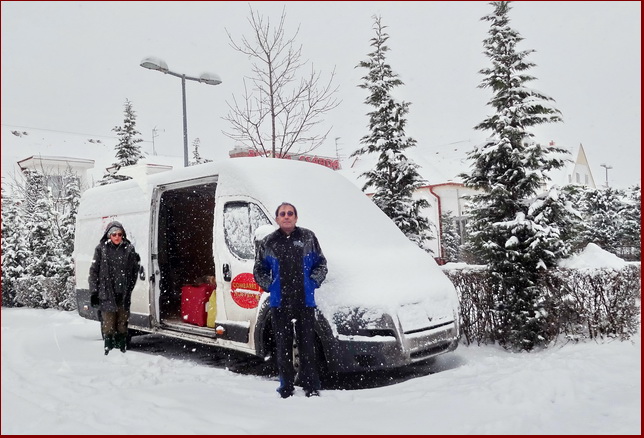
[355, 353]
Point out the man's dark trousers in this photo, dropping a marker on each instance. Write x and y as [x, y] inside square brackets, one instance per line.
[282, 318]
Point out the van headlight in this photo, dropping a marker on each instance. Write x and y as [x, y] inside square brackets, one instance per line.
[360, 321]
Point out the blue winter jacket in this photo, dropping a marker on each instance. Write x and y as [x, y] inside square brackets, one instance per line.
[269, 272]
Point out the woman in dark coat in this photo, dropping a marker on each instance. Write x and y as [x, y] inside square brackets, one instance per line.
[112, 276]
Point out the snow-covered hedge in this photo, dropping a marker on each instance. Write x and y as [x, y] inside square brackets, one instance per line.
[594, 303]
[579, 303]
[45, 292]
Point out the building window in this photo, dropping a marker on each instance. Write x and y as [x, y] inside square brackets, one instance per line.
[56, 184]
[461, 224]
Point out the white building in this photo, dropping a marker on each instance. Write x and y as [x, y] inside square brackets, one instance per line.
[576, 171]
[90, 157]
[54, 168]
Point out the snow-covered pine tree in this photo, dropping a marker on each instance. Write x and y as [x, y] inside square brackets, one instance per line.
[450, 239]
[573, 195]
[196, 156]
[14, 247]
[38, 240]
[603, 220]
[394, 178]
[43, 243]
[128, 150]
[608, 217]
[631, 230]
[67, 230]
[33, 190]
[45, 252]
[509, 169]
[553, 219]
[71, 199]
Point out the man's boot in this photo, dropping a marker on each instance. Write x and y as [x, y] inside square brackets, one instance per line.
[109, 343]
[120, 342]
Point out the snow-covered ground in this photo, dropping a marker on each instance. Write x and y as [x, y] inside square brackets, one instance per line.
[56, 380]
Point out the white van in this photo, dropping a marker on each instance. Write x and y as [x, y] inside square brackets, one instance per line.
[385, 303]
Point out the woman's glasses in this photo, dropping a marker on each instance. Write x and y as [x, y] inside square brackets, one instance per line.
[117, 234]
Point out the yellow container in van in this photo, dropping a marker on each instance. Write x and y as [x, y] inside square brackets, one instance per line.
[211, 309]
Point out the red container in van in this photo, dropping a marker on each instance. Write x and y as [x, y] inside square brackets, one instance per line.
[193, 303]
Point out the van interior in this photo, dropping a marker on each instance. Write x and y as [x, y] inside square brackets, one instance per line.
[185, 243]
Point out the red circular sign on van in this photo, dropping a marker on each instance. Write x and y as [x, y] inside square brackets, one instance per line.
[245, 291]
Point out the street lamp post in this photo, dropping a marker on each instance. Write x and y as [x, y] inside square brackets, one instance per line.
[153, 63]
[606, 166]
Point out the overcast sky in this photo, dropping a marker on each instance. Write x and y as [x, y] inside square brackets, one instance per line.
[69, 66]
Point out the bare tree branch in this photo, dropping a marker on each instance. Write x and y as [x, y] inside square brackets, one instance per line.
[279, 110]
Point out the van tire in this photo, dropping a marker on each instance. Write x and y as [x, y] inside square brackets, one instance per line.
[128, 338]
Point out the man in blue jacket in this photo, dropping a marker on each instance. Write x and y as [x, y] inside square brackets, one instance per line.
[290, 265]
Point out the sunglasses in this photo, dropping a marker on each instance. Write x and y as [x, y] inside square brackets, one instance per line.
[285, 213]
[117, 234]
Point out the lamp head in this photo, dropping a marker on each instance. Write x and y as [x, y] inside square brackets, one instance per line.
[210, 78]
[154, 64]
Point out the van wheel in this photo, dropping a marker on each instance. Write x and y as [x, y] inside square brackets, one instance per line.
[296, 362]
[100, 323]
[128, 338]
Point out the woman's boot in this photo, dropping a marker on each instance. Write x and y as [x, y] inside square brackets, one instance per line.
[120, 342]
[109, 343]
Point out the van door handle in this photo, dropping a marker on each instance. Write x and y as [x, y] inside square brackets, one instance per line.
[227, 275]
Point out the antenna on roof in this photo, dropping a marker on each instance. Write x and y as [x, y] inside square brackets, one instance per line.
[154, 134]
